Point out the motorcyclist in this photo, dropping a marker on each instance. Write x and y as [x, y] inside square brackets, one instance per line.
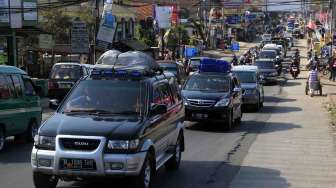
[234, 60]
[242, 60]
[313, 79]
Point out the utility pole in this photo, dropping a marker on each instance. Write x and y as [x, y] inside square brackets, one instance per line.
[96, 27]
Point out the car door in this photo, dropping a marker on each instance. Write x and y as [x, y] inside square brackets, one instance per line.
[32, 101]
[20, 103]
[9, 106]
[157, 130]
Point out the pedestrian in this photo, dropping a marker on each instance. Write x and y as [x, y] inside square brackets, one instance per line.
[333, 69]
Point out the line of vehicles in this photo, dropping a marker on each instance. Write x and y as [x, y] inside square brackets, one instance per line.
[125, 115]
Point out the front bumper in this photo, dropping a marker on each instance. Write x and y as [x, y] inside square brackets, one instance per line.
[131, 163]
[250, 99]
[214, 114]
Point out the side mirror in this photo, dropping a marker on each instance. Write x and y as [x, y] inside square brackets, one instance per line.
[158, 109]
[237, 89]
[53, 104]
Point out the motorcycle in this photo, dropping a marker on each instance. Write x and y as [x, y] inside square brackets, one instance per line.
[295, 71]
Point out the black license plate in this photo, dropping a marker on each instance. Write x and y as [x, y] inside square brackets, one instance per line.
[77, 164]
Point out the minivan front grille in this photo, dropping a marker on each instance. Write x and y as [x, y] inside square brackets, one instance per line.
[201, 102]
[79, 144]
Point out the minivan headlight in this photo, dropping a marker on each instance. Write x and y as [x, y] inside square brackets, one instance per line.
[223, 102]
[44, 142]
[122, 145]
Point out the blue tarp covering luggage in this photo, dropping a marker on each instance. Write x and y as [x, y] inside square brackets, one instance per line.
[214, 65]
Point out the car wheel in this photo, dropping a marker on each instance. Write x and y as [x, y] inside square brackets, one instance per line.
[257, 106]
[32, 131]
[174, 162]
[29, 134]
[2, 139]
[229, 121]
[44, 180]
[144, 180]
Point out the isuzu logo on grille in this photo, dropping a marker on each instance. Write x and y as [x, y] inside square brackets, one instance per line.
[81, 143]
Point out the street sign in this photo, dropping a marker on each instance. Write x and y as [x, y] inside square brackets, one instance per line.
[235, 46]
[79, 38]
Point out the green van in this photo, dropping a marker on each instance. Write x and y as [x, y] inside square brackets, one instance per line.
[20, 109]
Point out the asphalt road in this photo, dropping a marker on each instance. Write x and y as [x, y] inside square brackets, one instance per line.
[212, 157]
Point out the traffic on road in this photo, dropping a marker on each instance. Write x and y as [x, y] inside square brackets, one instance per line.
[133, 121]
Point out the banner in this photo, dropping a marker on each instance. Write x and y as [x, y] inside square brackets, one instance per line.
[108, 26]
[4, 12]
[163, 16]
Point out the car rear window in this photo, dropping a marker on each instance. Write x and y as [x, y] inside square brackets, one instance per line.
[66, 72]
[247, 76]
[267, 54]
[265, 65]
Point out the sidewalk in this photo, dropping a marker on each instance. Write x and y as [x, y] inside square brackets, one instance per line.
[296, 148]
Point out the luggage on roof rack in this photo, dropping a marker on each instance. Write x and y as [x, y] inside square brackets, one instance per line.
[133, 64]
[109, 57]
[214, 65]
[136, 60]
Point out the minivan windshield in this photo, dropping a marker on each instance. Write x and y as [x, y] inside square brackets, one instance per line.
[66, 72]
[247, 76]
[109, 97]
[212, 83]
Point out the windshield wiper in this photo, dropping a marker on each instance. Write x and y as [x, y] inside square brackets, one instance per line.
[88, 111]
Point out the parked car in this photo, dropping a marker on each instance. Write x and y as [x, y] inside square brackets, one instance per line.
[63, 76]
[174, 67]
[125, 122]
[213, 96]
[20, 110]
[268, 70]
[252, 85]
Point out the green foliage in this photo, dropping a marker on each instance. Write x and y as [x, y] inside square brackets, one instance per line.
[58, 22]
[146, 35]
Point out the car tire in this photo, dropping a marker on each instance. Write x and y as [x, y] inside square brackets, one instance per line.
[174, 162]
[29, 134]
[144, 180]
[44, 180]
[229, 121]
[2, 139]
[257, 106]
